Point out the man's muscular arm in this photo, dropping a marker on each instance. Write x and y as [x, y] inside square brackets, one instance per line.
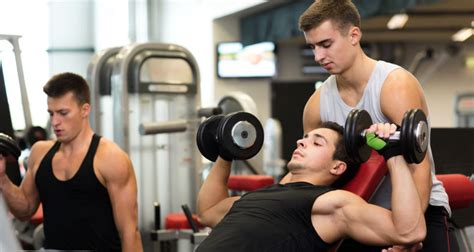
[213, 200]
[311, 113]
[116, 168]
[23, 201]
[400, 93]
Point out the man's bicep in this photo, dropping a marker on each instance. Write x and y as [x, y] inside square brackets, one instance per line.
[368, 224]
[28, 184]
[215, 214]
[122, 189]
[403, 90]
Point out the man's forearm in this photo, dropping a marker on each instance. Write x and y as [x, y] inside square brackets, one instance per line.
[407, 213]
[214, 188]
[423, 181]
[15, 199]
[132, 242]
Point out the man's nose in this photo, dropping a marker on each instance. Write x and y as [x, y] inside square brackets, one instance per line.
[54, 120]
[318, 55]
[300, 142]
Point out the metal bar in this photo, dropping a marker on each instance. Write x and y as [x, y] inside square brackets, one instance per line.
[13, 39]
[163, 127]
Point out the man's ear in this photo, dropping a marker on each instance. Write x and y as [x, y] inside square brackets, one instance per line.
[85, 109]
[338, 168]
[355, 34]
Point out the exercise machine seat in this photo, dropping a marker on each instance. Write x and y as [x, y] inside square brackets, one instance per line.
[369, 176]
[179, 221]
[460, 189]
[249, 182]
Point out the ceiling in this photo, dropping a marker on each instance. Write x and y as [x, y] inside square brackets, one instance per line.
[435, 22]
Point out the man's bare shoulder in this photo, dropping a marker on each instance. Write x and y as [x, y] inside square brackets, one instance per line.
[111, 160]
[38, 151]
[400, 78]
[110, 151]
[334, 200]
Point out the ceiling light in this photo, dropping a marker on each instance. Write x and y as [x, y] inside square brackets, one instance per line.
[462, 34]
[397, 21]
[470, 62]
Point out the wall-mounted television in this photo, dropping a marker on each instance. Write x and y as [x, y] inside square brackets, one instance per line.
[234, 60]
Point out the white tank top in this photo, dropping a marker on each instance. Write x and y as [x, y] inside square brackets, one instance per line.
[333, 108]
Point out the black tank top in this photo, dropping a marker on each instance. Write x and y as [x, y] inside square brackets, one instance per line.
[276, 218]
[77, 212]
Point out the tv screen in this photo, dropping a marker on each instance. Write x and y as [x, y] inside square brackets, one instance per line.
[235, 60]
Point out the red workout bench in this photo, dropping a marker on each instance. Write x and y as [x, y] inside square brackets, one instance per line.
[460, 189]
[236, 182]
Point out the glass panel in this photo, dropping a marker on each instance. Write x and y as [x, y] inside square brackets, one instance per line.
[166, 70]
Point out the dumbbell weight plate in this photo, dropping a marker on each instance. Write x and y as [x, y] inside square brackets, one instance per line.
[357, 121]
[8, 145]
[240, 135]
[414, 136]
[206, 138]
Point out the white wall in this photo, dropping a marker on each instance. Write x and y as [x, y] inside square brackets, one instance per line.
[189, 23]
[111, 23]
[443, 78]
[71, 36]
[32, 25]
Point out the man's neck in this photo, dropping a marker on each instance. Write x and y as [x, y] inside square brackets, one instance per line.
[315, 179]
[357, 76]
[81, 141]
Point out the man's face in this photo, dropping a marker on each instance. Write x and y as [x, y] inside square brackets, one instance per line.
[315, 150]
[67, 116]
[332, 50]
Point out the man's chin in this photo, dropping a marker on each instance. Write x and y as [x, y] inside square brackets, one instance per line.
[292, 166]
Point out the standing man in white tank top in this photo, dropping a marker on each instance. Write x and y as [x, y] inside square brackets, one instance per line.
[332, 29]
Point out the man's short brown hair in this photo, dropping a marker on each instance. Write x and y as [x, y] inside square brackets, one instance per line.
[343, 14]
[63, 83]
[340, 153]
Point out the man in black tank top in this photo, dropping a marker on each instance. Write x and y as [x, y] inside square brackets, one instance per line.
[303, 213]
[85, 184]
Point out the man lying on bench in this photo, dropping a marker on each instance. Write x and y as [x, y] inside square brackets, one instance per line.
[304, 212]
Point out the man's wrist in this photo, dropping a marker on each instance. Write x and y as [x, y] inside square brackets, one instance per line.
[3, 180]
[394, 161]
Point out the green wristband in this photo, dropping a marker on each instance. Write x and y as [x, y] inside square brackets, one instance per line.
[374, 142]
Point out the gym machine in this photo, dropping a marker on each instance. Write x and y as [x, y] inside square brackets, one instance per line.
[99, 74]
[464, 110]
[14, 41]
